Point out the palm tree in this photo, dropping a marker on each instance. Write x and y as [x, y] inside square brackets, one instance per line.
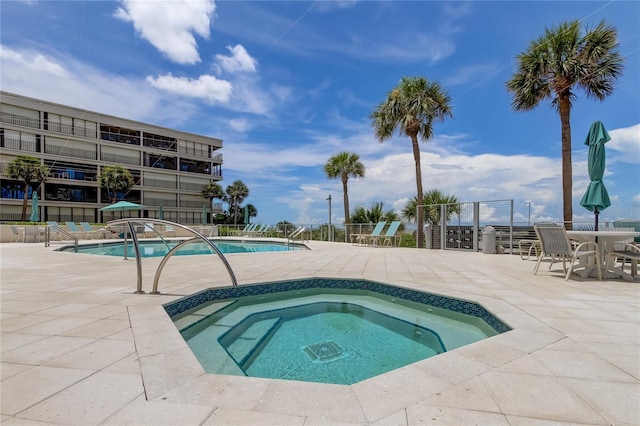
[235, 195]
[114, 179]
[374, 214]
[432, 200]
[26, 169]
[411, 108]
[343, 166]
[211, 191]
[556, 63]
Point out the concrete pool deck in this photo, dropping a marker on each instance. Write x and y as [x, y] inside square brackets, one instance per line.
[78, 347]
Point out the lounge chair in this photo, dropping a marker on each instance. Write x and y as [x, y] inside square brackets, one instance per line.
[149, 229]
[74, 230]
[362, 238]
[168, 229]
[89, 231]
[241, 231]
[55, 231]
[555, 244]
[297, 233]
[390, 234]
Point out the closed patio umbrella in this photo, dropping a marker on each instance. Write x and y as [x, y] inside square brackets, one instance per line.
[596, 198]
[35, 214]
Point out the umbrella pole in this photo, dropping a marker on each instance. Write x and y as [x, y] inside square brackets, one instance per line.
[597, 213]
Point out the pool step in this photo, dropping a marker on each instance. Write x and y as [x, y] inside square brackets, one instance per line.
[247, 345]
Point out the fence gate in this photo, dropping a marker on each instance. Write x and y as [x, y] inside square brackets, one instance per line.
[459, 226]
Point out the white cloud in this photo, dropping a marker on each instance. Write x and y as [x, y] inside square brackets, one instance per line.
[238, 61]
[239, 124]
[62, 79]
[206, 87]
[169, 25]
[32, 61]
[627, 141]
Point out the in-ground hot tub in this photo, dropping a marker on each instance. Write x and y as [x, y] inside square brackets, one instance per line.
[324, 329]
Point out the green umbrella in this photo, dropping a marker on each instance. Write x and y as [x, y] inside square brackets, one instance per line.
[121, 206]
[35, 215]
[596, 198]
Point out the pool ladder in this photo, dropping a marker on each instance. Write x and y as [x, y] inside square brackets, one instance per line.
[129, 228]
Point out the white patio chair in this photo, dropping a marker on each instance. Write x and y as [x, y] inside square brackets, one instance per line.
[17, 234]
[555, 244]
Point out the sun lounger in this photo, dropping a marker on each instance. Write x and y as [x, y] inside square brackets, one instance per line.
[364, 239]
[390, 234]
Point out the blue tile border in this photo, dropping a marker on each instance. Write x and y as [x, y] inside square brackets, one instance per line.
[444, 302]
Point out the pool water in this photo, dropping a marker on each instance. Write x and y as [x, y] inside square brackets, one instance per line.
[160, 248]
[328, 335]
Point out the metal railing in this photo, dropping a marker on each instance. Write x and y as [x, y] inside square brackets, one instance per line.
[129, 228]
[47, 236]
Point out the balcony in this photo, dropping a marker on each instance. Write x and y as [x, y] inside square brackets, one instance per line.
[19, 145]
[120, 159]
[19, 120]
[70, 129]
[70, 152]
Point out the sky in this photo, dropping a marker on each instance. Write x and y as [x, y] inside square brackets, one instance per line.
[288, 84]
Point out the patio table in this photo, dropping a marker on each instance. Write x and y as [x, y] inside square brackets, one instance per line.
[606, 241]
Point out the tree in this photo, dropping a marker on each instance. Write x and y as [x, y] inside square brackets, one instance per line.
[235, 195]
[343, 166]
[432, 200]
[376, 213]
[211, 191]
[114, 179]
[27, 170]
[553, 65]
[412, 107]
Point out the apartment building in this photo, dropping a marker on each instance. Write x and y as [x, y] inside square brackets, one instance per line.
[169, 167]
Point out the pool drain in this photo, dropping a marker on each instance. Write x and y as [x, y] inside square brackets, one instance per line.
[324, 351]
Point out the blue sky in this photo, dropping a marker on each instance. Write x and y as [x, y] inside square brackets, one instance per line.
[286, 85]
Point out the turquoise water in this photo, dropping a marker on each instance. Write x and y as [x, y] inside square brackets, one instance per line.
[159, 248]
[322, 335]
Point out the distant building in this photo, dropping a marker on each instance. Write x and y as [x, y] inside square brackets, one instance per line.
[170, 167]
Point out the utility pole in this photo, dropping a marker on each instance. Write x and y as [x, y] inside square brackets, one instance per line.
[330, 231]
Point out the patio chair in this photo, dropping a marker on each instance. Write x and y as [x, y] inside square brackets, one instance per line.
[630, 253]
[17, 234]
[390, 234]
[362, 238]
[246, 228]
[555, 244]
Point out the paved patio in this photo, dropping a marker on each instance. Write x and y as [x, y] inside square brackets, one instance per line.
[78, 347]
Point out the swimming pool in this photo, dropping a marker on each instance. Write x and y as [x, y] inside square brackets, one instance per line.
[324, 330]
[159, 248]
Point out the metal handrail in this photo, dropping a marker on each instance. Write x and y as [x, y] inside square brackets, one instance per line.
[47, 236]
[129, 222]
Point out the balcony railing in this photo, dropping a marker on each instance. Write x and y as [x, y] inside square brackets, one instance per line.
[120, 159]
[191, 203]
[159, 183]
[69, 129]
[70, 152]
[191, 186]
[20, 145]
[20, 120]
[150, 201]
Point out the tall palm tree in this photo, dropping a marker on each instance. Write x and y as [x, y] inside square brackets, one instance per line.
[235, 195]
[115, 179]
[211, 191]
[557, 63]
[27, 170]
[432, 200]
[412, 107]
[344, 165]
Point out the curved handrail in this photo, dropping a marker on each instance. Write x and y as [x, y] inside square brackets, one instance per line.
[197, 236]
